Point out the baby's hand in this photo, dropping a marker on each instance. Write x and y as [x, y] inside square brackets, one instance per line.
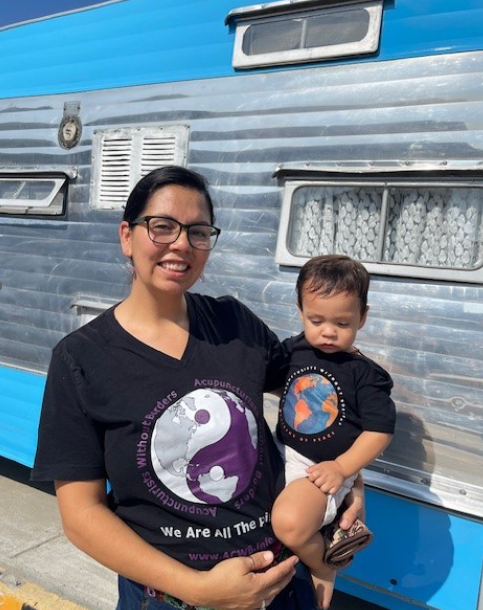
[326, 475]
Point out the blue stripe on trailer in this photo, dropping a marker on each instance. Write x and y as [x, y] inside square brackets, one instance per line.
[138, 42]
[421, 556]
[20, 402]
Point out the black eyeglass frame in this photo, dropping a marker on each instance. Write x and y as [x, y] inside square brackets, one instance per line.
[214, 231]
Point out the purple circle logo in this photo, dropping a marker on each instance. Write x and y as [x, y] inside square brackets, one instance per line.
[204, 446]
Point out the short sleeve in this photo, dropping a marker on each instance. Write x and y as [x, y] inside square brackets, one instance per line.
[277, 358]
[70, 445]
[376, 407]
[278, 363]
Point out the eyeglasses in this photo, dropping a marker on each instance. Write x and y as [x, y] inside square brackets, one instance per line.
[167, 230]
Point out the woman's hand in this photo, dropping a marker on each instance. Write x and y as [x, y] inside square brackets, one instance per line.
[238, 583]
[355, 504]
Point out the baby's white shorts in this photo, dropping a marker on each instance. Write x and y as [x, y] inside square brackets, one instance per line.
[296, 466]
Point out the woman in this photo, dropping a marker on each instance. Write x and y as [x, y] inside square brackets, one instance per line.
[162, 395]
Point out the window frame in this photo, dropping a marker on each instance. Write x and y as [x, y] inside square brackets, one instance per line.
[296, 178]
[87, 308]
[246, 17]
[54, 204]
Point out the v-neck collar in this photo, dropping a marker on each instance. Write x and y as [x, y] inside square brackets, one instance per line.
[152, 352]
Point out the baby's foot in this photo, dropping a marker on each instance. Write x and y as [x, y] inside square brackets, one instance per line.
[324, 580]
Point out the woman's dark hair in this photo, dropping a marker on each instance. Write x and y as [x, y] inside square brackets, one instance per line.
[334, 273]
[157, 179]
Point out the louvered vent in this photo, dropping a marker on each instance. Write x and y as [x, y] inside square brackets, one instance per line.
[157, 152]
[122, 156]
[116, 162]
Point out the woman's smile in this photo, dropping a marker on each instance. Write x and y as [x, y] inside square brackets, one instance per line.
[173, 266]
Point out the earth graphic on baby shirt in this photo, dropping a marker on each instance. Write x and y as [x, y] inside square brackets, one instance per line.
[204, 446]
[311, 404]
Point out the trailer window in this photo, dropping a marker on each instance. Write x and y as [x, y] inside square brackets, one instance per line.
[422, 230]
[121, 157]
[27, 194]
[304, 31]
[89, 308]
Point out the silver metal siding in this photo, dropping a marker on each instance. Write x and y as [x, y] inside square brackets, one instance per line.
[428, 334]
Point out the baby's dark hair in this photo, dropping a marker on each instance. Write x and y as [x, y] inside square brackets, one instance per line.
[334, 273]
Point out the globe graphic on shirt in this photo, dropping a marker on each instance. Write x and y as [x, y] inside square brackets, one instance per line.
[204, 446]
[311, 404]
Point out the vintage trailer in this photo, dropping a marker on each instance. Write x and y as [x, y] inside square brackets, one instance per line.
[353, 126]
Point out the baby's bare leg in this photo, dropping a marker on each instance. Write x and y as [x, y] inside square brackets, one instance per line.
[296, 518]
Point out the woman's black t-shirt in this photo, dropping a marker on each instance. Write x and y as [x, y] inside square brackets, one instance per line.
[184, 444]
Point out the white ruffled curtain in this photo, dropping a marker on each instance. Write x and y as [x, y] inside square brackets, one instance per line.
[435, 227]
[425, 226]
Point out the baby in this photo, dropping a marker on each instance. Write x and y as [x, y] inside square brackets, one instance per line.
[336, 415]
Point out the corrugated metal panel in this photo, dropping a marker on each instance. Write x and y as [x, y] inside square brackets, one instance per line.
[241, 129]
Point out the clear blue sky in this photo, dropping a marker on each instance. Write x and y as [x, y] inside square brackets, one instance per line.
[15, 11]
